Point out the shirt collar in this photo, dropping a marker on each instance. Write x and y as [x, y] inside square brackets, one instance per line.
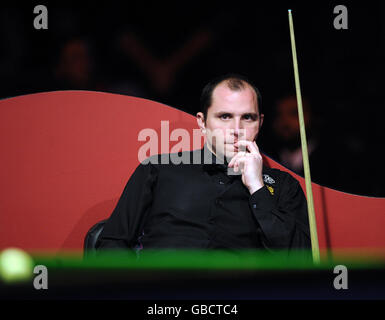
[211, 162]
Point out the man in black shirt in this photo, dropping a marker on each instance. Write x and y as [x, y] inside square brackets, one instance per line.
[219, 197]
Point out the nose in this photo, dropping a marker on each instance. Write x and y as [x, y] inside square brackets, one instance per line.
[238, 130]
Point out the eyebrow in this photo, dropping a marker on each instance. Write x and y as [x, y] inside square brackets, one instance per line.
[253, 114]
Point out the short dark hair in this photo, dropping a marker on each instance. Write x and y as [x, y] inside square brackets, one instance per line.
[235, 82]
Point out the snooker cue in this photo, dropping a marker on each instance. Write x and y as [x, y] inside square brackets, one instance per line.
[305, 156]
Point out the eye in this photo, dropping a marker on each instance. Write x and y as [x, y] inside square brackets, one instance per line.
[225, 116]
[249, 117]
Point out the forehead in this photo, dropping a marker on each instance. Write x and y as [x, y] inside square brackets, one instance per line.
[235, 101]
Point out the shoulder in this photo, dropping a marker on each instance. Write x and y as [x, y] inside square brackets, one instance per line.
[173, 159]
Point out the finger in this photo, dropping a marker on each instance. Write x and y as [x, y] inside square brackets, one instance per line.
[251, 146]
[241, 164]
[242, 160]
[241, 146]
[232, 161]
[236, 167]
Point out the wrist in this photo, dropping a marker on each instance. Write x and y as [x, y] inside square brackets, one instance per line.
[255, 187]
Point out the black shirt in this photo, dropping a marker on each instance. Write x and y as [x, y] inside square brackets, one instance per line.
[189, 205]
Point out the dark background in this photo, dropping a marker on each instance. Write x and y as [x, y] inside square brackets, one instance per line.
[167, 51]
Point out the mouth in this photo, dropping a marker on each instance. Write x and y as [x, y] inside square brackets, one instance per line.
[232, 145]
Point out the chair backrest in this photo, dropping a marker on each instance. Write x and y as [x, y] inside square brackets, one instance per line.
[91, 238]
[67, 155]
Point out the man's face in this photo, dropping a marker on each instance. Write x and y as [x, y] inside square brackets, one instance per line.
[232, 116]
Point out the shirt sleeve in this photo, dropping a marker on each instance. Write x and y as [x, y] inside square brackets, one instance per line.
[126, 222]
[283, 223]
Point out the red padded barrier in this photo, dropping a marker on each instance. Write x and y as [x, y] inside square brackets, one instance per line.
[67, 155]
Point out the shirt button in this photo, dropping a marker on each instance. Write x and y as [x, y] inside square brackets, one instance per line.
[221, 182]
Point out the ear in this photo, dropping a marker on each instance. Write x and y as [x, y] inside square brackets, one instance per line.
[201, 121]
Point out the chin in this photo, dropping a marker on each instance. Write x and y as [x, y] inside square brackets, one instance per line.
[230, 154]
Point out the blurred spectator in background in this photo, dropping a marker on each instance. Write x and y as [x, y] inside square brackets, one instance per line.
[335, 159]
[74, 68]
[287, 133]
[286, 140]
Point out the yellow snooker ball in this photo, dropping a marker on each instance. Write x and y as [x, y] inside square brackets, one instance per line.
[15, 265]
